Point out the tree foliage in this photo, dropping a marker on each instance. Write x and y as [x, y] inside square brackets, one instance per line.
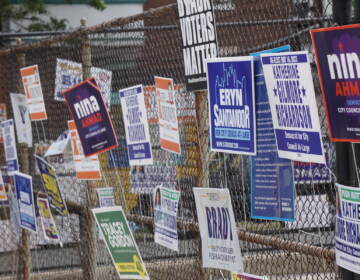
[32, 15]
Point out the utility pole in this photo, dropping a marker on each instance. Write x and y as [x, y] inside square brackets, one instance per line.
[345, 160]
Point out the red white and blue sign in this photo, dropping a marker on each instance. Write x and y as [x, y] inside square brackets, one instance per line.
[25, 199]
[232, 105]
[337, 51]
[293, 106]
[91, 117]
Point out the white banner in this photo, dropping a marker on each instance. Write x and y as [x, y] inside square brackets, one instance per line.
[219, 240]
[136, 126]
[22, 118]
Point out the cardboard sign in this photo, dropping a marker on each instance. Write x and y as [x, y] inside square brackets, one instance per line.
[51, 185]
[136, 126]
[311, 172]
[3, 117]
[293, 106]
[103, 79]
[12, 164]
[337, 55]
[166, 204]
[120, 242]
[33, 92]
[25, 198]
[86, 168]
[22, 119]
[106, 197]
[232, 105]
[47, 221]
[272, 184]
[91, 118]
[197, 24]
[168, 122]
[347, 246]
[3, 194]
[68, 74]
[220, 245]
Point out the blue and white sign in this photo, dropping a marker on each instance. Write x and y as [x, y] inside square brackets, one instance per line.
[347, 234]
[232, 105]
[293, 106]
[25, 198]
[136, 125]
[272, 183]
[10, 146]
[219, 244]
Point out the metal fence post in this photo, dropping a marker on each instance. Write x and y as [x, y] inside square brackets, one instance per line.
[345, 166]
[87, 222]
[24, 248]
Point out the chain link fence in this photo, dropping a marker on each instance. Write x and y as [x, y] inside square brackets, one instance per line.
[136, 49]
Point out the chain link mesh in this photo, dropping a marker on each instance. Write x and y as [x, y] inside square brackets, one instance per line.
[136, 49]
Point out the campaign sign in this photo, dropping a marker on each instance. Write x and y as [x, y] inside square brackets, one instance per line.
[22, 118]
[166, 204]
[167, 114]
[219, 244]
[25, 198]
[232, 105]
[3, 117]
[337, 55]
[33, 92]
[106, 197]
[12, 164]
[311, 172]
[91, 118]
[51, 185]
[103, 79]
[3, 195]
[120, 242]
[47, 221]
[197, 24]
[347, 236]
[293, 106]
[68, 74]
[136, 126]
[86, 168]
[272, 183]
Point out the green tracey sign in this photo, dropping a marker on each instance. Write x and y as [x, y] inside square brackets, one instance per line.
[120, 242]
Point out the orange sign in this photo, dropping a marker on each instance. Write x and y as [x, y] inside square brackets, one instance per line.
[33, 92]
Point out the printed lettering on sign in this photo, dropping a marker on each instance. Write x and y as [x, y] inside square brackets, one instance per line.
[198, 35]
[338, 62]
[91, 117]
[219, 240]
[293, 106]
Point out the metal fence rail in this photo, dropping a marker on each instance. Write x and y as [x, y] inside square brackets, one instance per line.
[136, 49]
